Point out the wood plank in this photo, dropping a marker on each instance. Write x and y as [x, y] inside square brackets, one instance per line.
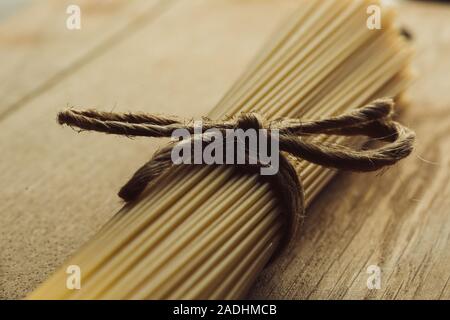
[37, 50]
[397, 220]
[10, 7]
[67, 183]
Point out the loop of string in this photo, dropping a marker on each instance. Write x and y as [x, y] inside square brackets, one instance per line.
[373, 121]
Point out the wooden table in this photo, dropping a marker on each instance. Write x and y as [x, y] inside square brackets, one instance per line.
[58, 189]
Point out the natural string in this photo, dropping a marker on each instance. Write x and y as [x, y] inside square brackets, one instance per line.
[373, 120]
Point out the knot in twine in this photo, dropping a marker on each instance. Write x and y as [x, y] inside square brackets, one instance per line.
[373, 120]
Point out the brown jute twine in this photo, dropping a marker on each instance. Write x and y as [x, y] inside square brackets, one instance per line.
[373, 120]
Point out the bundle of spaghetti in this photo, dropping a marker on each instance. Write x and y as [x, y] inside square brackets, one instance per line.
[206, 232]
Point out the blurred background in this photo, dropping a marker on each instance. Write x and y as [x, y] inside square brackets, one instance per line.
[8, 7]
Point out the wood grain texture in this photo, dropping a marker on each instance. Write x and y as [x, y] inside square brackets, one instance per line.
[59, 188]
[38, 51]
[67, 183]
[399, 219]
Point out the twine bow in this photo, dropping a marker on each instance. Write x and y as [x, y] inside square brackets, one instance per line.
[373, 120]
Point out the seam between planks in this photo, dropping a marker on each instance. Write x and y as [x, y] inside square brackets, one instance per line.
[97, 51]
